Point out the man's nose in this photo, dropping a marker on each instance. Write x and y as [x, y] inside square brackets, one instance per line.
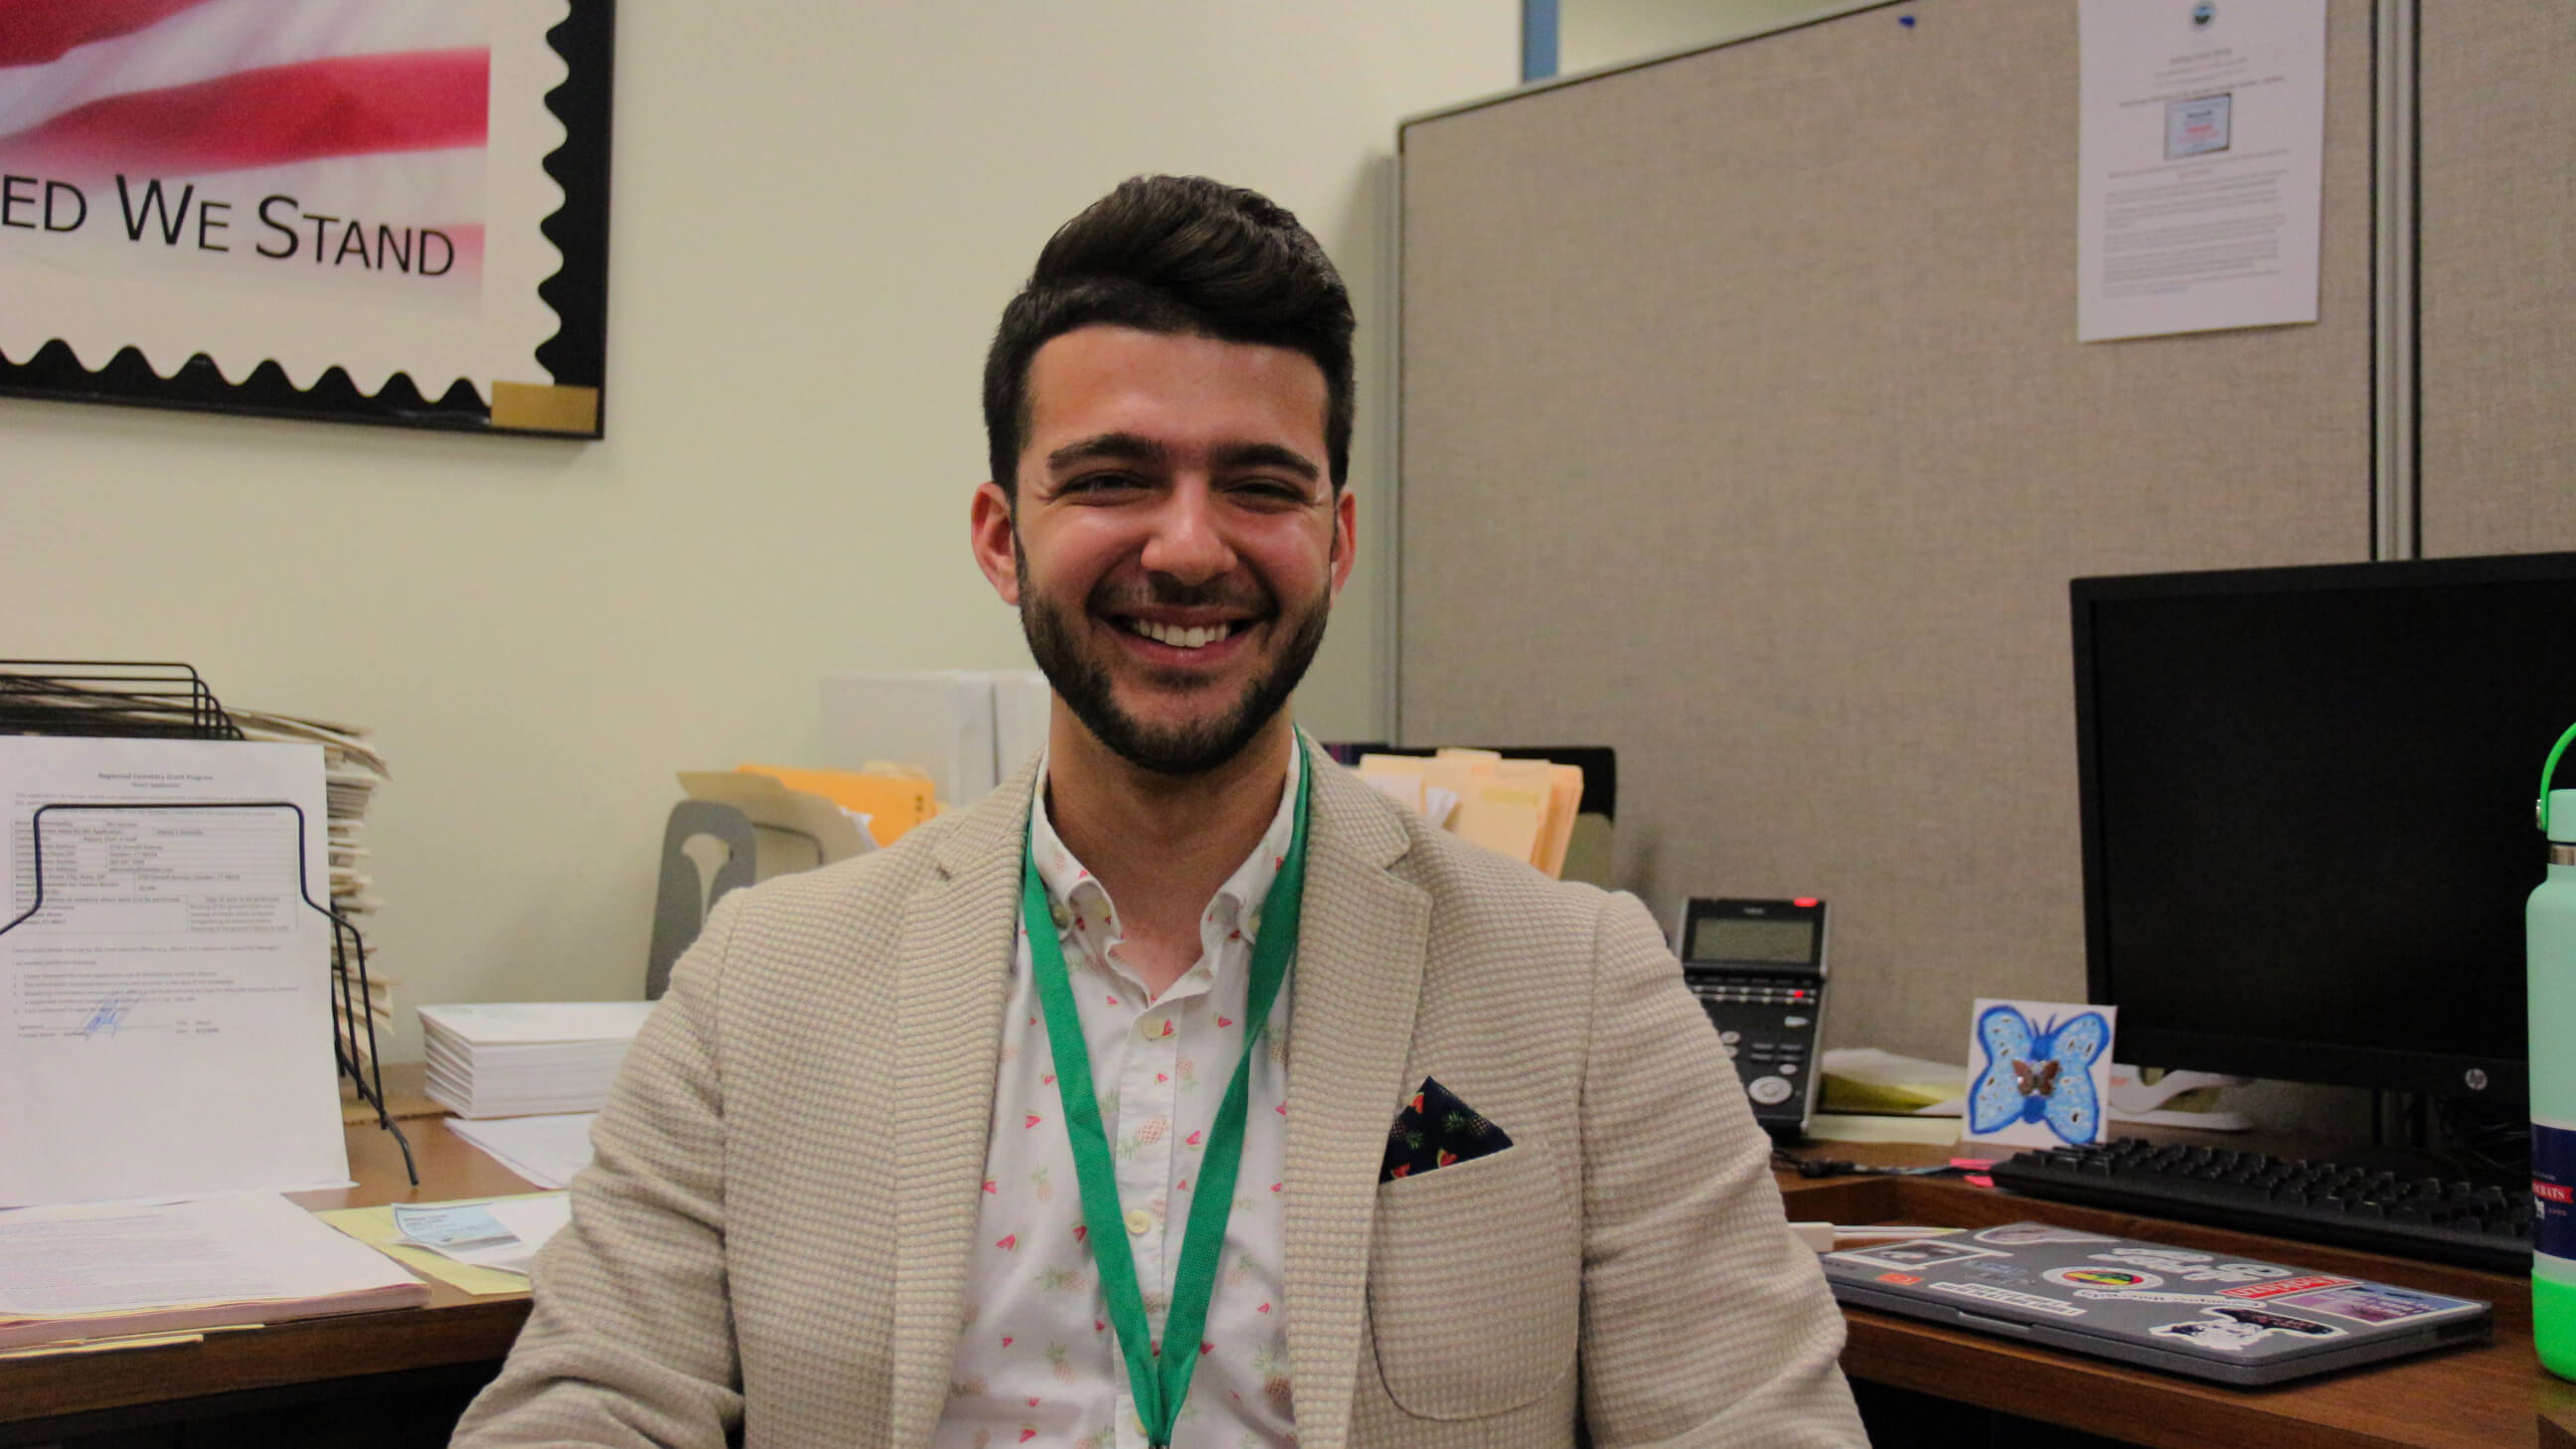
[1188, 542]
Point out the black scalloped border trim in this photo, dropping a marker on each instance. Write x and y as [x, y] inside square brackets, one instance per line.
[576, 356]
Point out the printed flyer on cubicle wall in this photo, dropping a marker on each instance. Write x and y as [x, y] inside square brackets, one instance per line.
[2202, 165]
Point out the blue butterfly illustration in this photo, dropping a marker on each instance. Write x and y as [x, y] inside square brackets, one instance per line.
[2034, 1076]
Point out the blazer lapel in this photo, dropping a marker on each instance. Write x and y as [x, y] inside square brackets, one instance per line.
[1356, 981]
[953, 976]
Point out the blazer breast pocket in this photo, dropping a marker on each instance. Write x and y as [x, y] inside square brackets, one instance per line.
[1475, 1285]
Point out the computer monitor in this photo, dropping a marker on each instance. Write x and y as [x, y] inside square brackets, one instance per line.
[2307, 810]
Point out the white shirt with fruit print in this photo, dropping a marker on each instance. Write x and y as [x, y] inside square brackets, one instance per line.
[1037, 1363]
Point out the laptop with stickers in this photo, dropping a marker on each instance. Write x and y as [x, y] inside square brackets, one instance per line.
[2210, 1315]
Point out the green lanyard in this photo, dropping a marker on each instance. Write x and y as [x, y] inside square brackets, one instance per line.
[1160, 1381]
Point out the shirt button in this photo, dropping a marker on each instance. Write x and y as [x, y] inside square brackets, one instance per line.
[1138, 1220]
[1154, 1028]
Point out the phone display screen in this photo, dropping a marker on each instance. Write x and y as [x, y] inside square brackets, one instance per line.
[1720, 939]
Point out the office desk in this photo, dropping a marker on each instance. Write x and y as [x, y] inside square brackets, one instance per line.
[451, 1338]
[2490, 1397]
[2493, 1397]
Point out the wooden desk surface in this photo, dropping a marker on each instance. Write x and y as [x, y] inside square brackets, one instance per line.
[455, 1327]
[2490, 1397]
[2493, 1396]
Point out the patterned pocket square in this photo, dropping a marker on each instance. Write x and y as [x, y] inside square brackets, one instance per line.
[1434, 1130]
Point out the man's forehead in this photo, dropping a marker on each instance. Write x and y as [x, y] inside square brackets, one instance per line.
[1185, 387]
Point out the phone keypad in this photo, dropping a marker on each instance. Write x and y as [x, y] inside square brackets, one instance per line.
[1747, 994]
[1767, 1025]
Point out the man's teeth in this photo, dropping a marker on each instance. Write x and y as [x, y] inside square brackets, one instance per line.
[1180, 638]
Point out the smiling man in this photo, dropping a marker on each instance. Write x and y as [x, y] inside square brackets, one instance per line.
[1184, 1091]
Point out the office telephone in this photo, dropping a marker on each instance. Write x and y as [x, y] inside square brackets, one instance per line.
[1758, 969]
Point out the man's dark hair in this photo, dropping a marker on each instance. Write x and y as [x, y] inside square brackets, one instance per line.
[1175, 254]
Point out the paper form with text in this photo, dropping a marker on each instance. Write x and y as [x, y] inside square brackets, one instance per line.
[165, 1015]
[94, 1270]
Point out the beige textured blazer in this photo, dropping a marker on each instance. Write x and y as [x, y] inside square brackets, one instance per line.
[773, 1242]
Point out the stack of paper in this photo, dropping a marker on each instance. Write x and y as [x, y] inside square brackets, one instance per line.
[1866, 1079]
[351, 770]
[520, 1058]
[1522, 808]
[94, 1271]
[547, 1151]
[379, 997]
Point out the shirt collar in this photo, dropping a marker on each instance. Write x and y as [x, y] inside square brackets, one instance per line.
[1069, 885]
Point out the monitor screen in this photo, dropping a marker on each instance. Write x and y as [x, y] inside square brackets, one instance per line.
[2307, 810]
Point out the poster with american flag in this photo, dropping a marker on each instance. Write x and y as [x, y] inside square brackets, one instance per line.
[369, 210]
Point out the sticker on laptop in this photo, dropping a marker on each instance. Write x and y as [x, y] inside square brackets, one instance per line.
[2282, 1287]
[2236, 1328]
[2192, 1267]
[1988, 1293]
[2160, 1257]
[2023, 1235]
[1904, 1257]
[2127, 1295]
[1902, 1280]
[2112, 1278]
[2372, 1303]
[1998, 1271]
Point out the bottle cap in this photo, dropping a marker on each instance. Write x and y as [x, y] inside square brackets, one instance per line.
[2562, 817]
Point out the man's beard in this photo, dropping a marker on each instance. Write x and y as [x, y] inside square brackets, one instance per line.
[1191, 749]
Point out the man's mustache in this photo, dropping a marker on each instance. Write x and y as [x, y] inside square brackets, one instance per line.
[1169, 593]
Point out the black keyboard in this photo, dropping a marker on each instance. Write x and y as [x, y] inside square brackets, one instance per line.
[2427, 1218]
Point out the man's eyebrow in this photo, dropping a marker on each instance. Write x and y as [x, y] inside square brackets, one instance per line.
[1107, 448]
[1229, 457]
[1267, 455]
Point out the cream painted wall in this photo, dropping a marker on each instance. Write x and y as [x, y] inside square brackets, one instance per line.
[819, 209]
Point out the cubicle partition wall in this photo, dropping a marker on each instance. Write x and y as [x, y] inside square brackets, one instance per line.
[2497, 96]
[1744, 429]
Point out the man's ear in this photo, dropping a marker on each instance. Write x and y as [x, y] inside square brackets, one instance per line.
[995, 537]
[1346, 524]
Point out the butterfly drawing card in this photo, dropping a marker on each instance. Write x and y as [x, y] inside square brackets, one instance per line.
[2039, 1072]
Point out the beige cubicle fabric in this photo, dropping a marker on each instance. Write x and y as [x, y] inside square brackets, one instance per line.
[1745, 430]
[2497, 268]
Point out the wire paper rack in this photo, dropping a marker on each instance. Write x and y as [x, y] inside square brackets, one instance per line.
[98, 698]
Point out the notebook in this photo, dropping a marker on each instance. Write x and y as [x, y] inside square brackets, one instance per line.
[2209, 1315]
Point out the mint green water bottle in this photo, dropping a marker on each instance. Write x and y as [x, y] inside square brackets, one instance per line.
[2551, 925]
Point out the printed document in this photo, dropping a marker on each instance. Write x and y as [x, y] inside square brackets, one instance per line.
[548, 1151]
[93, 1270]
[2202, 159]
[165, 1020]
